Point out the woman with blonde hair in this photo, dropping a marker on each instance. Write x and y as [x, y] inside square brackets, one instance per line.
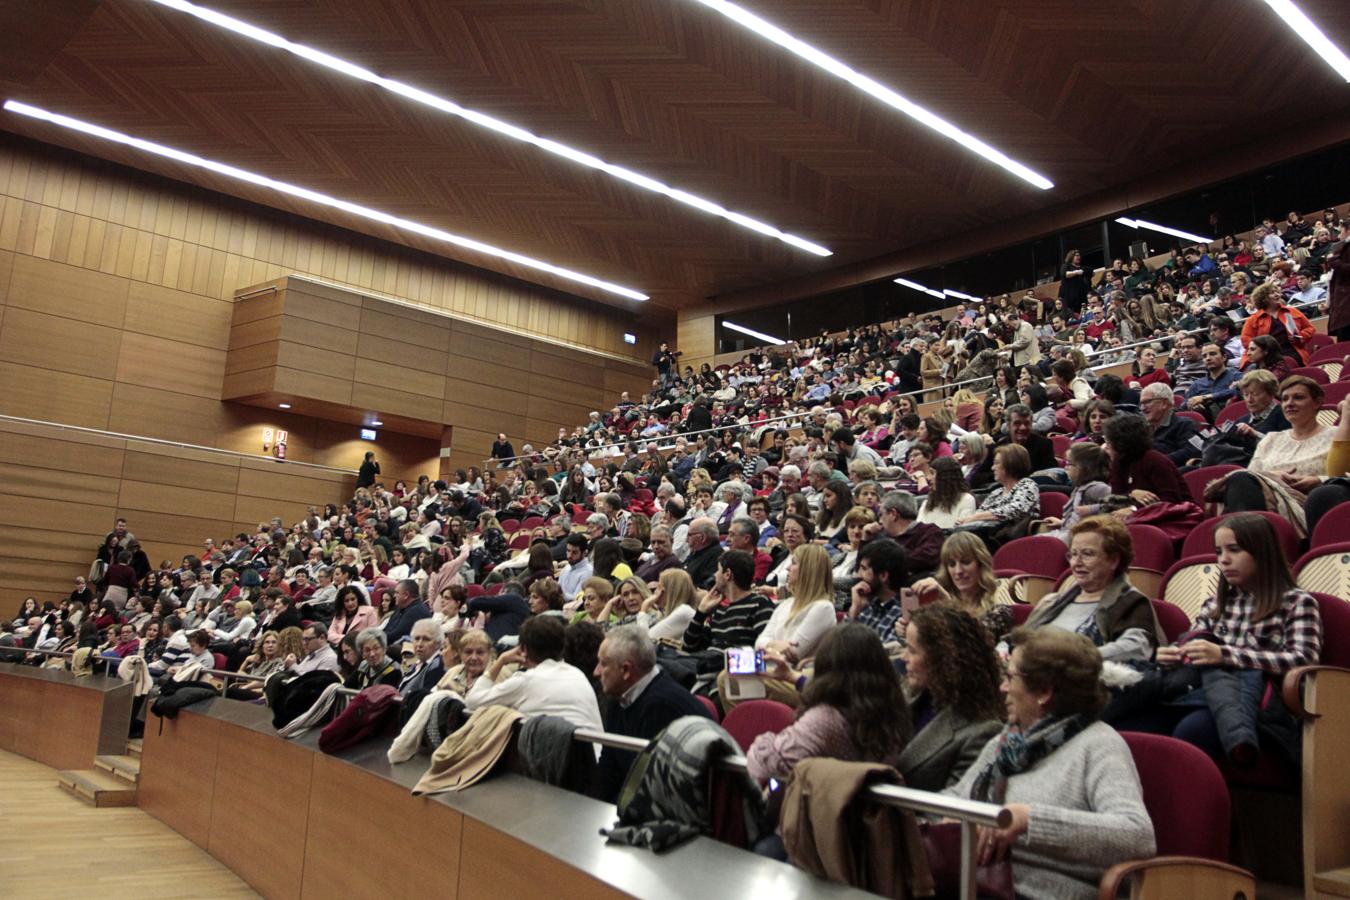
[965, 579]
[968, 410]
[669, 609]
[798, 624]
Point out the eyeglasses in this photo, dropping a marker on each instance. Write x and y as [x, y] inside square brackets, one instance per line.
[1084, 554]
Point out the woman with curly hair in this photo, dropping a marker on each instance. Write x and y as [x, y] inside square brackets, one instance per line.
[965, 580]
[853, 707]
[952, 675]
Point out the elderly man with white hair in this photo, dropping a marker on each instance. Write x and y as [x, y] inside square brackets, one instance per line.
[1171, 433]
[704, 551]
[426, 667]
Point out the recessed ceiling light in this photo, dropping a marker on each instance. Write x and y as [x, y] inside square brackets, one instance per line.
[377, 423]
[1313, 36]
[747, 19]
[1163, 229]
[915, 286]
[284, 405]
[754, 334]
[322, 199]
[485, 121]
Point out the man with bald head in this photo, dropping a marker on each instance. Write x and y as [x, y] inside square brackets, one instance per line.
[704, 551]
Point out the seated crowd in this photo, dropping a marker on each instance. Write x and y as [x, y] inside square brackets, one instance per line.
[851, 548]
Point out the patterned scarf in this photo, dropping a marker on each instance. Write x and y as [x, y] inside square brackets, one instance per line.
[1018, 752]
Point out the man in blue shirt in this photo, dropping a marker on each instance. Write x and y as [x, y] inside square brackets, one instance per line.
[1211, 390]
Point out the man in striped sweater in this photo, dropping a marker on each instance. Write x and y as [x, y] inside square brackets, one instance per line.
[729, 614]
[176, 650]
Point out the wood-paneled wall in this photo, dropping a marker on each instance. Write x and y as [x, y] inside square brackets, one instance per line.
[97, 216]
[62, 489]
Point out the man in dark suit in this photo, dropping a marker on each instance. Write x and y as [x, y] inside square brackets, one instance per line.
[646, 701]
[704, 552]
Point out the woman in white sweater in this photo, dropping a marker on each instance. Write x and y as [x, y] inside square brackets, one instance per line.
[798, 625]
[670, 608]
[1067, 778]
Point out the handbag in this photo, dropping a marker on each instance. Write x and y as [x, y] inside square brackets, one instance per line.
[942, 841]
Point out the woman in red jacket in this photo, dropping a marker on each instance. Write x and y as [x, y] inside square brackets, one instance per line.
[1290, 328]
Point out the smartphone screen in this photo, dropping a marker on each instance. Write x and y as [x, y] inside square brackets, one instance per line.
[744, 661]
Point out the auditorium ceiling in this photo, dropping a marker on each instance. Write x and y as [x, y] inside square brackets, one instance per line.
[1089, 93]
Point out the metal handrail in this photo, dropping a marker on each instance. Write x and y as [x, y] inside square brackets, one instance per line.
[595, 452]
[968, 813]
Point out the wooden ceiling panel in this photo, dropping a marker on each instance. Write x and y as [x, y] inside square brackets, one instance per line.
[1091, 95]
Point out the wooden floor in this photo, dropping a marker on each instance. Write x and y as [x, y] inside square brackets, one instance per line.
[53, 845]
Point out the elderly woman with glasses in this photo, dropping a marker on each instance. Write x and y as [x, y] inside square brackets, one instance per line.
[1100, 603]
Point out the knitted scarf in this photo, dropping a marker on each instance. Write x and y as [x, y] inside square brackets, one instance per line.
[1019, 751]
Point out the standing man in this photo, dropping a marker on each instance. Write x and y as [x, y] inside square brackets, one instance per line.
[1337, 262]
[664, 360]
[365, 477]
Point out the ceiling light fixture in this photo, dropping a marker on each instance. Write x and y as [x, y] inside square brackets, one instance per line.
[951, 293]
[377, 423]
[1163, 229]
[754, 334]
[284, 405]
[915, 286]
[863, 83]
[485, 121]
[322, 199]
[1313, 36]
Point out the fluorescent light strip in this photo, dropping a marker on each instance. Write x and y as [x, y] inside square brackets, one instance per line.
[752, 333]
[315, 197]
[1163, 229]
[951, 293]
[838, 69]
[915, 286]
[1313, 36]
[485, 121]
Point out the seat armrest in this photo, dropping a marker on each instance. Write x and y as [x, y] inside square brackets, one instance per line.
[1177, 876]
[1292, 689]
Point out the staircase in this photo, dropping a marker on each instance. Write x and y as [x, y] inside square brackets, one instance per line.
[112, 781]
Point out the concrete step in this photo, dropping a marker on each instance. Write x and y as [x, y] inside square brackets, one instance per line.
[134, 747]
[127, 768]
[97, 787]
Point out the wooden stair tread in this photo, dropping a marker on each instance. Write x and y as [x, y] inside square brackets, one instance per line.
[135, 747]
[97, 787]
[125, 766]
[1333, 881]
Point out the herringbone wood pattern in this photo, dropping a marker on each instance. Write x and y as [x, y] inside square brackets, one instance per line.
[1090, 93]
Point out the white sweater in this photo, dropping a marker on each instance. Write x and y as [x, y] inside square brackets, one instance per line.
[805, 631]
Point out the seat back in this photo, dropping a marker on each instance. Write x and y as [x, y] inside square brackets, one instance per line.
[1325, 570]
[1320, 342]
[1172, 620]
[1335, 629]
[1201, 540]
[1185, 796]
[1192, 415]
[1335, 392]
[520, 540]
[1061, 443]
[1312, 372]
[510, 526]
[750, 719]
[219, 661]
[1152, 548]
[1328, 416]
[1333, 368]
[1332, 527]
[474, 590]
[1196, 479]
[1190, 582]
[713, 711]
[1021, 612]
[1231, 413]
[1039, 554]
[532, 522]
[1053, 503]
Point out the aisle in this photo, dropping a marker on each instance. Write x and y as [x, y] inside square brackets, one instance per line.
[53, 845]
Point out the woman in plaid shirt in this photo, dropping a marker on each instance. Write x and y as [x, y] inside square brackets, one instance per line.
[1257, 627]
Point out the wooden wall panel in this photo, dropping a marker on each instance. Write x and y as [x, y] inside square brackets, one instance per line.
[6, 270]
[45, 341]
[50, 287]
[178, 774]
[245, 819]
[486, 869]
[54, 396]
[178, 315]
[170, 365]
[332, 870]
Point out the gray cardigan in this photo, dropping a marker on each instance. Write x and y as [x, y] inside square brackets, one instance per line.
[1087, 814]
[941, 753]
